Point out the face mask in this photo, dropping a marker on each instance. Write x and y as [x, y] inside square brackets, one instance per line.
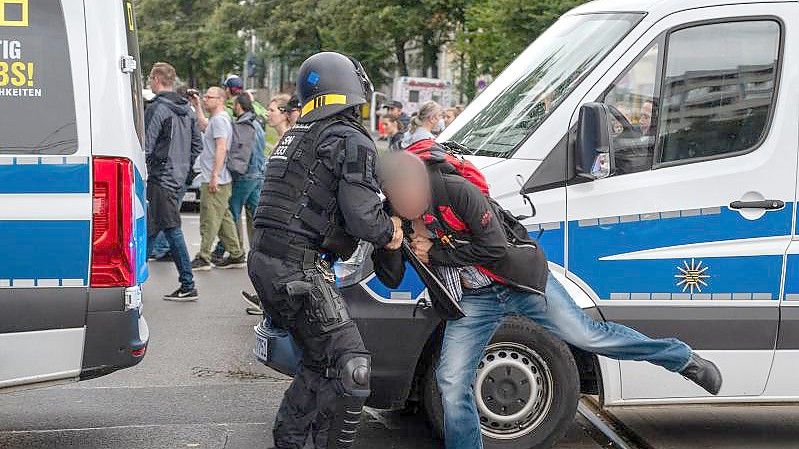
[440, 127]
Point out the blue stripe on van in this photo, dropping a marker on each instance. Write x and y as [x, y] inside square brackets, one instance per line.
[140, 229]
[44, 249]
[742, 274]
[59, 176]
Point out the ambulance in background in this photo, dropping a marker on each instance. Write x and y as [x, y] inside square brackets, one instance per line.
[659, 143]
[72, 191]
[415, 91]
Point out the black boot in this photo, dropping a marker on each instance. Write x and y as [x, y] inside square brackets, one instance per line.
[703, 373]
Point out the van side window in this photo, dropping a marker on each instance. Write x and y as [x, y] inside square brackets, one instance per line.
[36, 92]
[632, 101]
[718, 90]
[136, 83]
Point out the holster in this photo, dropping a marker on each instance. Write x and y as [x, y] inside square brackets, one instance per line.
[324, 306]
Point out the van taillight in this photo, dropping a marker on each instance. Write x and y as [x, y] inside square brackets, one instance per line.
[112, 223]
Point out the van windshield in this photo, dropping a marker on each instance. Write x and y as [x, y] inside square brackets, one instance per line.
[533, 85]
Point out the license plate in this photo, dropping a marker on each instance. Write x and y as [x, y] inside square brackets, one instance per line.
[190, 196]
[261, 349]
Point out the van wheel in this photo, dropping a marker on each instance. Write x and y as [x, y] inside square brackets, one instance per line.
[526, 388]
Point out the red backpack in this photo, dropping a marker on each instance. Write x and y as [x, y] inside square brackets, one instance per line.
[430, 152]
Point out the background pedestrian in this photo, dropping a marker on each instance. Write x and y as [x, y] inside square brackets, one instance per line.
[215, 188]
[172, 143]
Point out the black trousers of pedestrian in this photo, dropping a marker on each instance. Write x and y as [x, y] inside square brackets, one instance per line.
[309, 405]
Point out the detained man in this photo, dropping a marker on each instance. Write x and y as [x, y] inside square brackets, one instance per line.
[470, 238]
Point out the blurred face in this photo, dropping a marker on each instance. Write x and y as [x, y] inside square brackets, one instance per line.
[449, 117]
[434, 119]
[156, 85]
[237, 109]
[275, 116]
[390, 126]
[409, 194]
[294, 115]
[213, 99]
[646, 116]
[394, 112]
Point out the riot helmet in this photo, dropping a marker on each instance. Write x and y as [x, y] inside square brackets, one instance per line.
[328, 83]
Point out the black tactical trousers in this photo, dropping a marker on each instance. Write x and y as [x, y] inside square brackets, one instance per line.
[312, 401]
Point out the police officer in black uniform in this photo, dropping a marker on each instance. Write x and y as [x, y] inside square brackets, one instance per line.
[320, 195]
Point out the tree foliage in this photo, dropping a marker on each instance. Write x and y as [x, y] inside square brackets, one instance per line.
[200, 36]
[191, 35]
[496, 31]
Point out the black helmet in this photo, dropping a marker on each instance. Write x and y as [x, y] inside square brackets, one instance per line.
[329, 83]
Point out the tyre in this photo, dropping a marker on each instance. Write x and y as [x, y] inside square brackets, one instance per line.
[527, 388]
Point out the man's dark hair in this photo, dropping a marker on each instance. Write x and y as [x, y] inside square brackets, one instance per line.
[244, 101]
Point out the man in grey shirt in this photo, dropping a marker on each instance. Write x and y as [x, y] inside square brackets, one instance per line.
[216, 187]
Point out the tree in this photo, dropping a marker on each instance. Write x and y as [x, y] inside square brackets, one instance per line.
[496, 31]
[190, 35]
[201, 37]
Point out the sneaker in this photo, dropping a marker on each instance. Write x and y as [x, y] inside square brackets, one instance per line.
[232, 262]
[217, 258]
[182, 295]
[254, 311]
[251, 299]
[200, 264]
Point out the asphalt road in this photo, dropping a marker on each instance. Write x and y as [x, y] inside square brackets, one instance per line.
[200, 387]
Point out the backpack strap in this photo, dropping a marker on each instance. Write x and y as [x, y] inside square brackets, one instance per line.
[438, 188]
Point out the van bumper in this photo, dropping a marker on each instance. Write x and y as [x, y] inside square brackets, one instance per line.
[116, 331]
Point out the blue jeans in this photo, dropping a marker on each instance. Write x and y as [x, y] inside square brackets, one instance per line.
[466, 339]
[180, 254]
[161, 246]
[246, 194]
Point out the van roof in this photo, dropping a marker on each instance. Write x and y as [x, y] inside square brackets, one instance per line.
[660, 7]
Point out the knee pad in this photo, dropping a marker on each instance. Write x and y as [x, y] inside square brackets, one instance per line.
[354, 371]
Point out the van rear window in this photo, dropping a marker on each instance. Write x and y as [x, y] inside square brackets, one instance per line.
[36, 93]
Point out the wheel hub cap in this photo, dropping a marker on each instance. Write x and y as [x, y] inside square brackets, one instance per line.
[513, 389]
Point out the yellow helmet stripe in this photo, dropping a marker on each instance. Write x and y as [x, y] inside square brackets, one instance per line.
[323, 100]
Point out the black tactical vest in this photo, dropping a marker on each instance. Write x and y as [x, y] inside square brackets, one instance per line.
[299, 192]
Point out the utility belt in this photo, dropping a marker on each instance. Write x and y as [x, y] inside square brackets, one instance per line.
[285, 245]
[324, 308]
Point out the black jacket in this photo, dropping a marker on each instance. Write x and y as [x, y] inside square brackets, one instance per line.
[172, 140]
[359, 203]
[347, 152]
[483, 242]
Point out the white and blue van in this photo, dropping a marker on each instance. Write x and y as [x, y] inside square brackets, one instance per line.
[72, 202]
[657, 142]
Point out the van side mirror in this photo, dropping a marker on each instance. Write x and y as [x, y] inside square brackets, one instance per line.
[594, 155]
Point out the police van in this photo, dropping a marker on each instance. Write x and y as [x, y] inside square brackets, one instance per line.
[72, 201]
[651, 146]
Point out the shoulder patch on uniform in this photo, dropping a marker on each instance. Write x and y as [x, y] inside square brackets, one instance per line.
[359, 158]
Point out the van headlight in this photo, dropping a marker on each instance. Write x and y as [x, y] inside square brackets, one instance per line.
[356, 268]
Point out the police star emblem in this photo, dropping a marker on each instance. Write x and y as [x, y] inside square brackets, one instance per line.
[692, 277]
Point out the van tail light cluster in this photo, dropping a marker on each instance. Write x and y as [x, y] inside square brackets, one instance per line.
[113, 257]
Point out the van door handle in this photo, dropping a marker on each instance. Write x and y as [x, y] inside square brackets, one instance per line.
[762, 204]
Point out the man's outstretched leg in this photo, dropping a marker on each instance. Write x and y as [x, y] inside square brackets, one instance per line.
[566, 320]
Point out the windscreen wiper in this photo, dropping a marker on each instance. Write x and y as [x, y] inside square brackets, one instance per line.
[457, 147]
